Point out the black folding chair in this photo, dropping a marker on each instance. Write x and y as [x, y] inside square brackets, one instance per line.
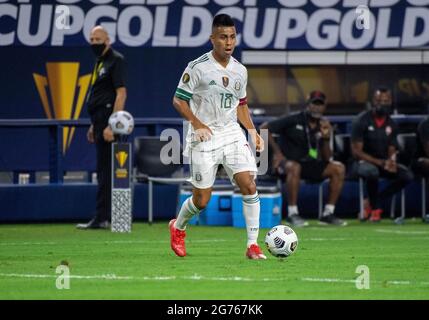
[153, 165]
[407, 147]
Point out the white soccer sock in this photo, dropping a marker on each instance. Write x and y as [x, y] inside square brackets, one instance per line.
[187, 211]
[251, 211]
[329, 209]
[292, 210]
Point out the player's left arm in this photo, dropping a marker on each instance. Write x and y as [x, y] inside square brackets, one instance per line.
[243, 116]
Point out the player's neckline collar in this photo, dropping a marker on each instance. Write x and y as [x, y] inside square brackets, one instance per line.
[211, 56]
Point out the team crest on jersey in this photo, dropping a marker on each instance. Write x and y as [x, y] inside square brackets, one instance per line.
[388, 130]
[225, 81]
[237, 85]
[186, 78]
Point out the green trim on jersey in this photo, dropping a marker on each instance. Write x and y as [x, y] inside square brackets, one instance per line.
[182, 94]
[202, 59]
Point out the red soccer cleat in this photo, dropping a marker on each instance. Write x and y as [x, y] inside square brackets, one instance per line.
[177, 239]
[366, 210]
[254, 252]
[376, 215]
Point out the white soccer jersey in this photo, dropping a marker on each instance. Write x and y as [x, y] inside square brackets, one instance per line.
[214, 93]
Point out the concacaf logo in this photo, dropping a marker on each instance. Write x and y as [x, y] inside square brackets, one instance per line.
[62, 92]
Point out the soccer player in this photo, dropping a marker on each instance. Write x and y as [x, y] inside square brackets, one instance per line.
[211, 95]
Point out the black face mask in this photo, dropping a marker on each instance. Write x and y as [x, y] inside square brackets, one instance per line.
[98, 49]
[382, 109]
[314, 115]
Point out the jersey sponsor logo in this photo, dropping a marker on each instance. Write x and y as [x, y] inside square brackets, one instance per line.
[62, 93]
[237, 85]
[225, 81]
[186, 78]
[212, 83]
[388, 130]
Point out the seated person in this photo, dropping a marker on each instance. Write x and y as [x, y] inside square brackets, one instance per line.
[374, 147]
[304, 152]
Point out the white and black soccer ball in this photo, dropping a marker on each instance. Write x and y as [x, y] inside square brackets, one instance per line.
[121, 122]
[281, 241]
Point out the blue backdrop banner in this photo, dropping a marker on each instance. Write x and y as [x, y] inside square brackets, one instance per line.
[267, 24]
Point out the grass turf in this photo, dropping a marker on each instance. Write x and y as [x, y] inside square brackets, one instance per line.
[140, 265]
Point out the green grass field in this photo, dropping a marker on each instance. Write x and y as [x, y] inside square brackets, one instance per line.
[140, 265]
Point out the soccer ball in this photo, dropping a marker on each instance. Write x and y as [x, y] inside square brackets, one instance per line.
[281, 241]
[121, 122]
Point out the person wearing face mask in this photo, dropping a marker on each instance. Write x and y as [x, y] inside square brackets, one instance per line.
[303, 152]
[374, 148]
[107, 94]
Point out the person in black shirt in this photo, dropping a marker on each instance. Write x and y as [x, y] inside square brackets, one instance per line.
[303, 151]
[374, 147]
[107, 95]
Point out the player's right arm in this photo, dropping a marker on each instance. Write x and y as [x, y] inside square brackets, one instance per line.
[185, 89]
[203, 132]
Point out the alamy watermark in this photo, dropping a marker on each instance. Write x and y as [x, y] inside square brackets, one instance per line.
[63, 280]
[363, 17]
[62, 17]
[171, 152]
[362, 281]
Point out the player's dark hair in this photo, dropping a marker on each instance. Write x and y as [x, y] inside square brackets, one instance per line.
[222, 20]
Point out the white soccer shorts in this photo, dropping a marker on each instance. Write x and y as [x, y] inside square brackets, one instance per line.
[235, 157]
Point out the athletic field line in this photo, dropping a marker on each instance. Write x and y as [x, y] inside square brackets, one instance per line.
[197, 277]
[89, 242]
[409, 232]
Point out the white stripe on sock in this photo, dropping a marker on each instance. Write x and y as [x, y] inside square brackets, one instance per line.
[187, 211]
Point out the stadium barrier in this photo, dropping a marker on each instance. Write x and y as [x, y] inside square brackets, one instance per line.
[61, 200]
